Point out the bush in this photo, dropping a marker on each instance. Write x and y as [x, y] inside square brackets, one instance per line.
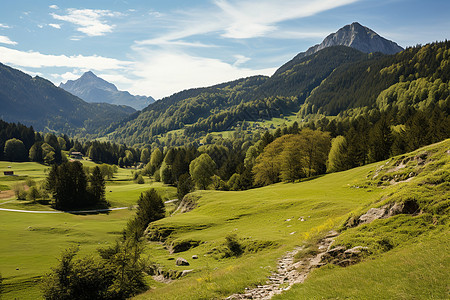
[157, 176]
[19, 191]
[140, 179]
[116, 275]
[33, 194]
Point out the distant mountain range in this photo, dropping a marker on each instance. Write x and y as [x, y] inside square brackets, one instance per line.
[36, 101]
[94, 89]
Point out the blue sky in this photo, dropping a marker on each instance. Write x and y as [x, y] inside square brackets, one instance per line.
[156, 48]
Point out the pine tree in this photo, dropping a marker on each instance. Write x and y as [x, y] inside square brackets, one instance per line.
[97, 186]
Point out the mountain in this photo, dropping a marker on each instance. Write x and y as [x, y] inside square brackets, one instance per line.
[36, 101]
[354, 35]
[417, 77]
[94, 89]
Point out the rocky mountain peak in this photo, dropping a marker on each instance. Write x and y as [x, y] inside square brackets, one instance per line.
[359, 37]
[353, 35]
[92, 88]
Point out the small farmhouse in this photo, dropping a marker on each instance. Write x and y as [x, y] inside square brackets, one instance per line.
[76, 155]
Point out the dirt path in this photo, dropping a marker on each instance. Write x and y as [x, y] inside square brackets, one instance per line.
[287, 273]
[6, 194]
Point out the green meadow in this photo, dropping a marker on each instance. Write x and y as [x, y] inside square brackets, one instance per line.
[267, 222]
[32, 242]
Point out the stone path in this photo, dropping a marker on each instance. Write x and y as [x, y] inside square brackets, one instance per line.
[287, 274]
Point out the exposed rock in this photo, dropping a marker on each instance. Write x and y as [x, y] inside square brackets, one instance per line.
[188, 203]
[194, 256]
[372, 215]
[343, 257]
[185, 272]
[386, 211]
[181, 262]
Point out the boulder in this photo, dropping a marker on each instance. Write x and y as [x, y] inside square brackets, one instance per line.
[372, 215]
[194, 256]
[181, 262]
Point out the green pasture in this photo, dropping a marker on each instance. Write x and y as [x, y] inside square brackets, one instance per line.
[267, 222]
[269, 217]
[32, 243]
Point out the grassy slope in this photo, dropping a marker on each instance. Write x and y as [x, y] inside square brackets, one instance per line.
[31, 243]
[418, 270]
[414, 268]
[255, 215]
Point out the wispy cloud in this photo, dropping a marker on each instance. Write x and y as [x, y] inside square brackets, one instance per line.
[161, 73]
[32, 59]
[89, 21]
[54, 6]
[255, 18]
[4, 26]
[57, 26]
[6, 40]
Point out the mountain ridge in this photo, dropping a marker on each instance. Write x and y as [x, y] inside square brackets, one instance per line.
[94, 89]
[38, 102]
[352, 35]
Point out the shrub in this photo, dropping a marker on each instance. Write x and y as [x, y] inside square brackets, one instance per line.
[140, 179]
[19, 191]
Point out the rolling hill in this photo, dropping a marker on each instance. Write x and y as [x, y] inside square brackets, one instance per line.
[401, 245]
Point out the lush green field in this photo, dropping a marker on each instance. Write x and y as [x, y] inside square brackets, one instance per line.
[267, 222]
[31, 243]
[120, 191]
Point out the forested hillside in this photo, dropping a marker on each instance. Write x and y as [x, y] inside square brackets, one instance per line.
[36, 102]
[416, 77]
[222, 106]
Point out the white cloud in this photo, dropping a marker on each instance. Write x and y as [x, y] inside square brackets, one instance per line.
[33, 59]
[54, 6]
[255, 18]
[286, 34]
[89, 21]
[240, 59]
[156, 14]
[162, 73]
[4, 26]
[66, 76]
[57, 26]
[6, 40]
[166, 41]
